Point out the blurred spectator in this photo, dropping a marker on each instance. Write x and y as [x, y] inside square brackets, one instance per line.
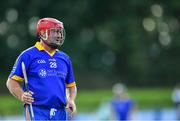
[104, 112]
[122, 105]
[176, 99]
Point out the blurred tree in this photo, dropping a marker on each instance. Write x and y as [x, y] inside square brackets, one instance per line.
[136, 42]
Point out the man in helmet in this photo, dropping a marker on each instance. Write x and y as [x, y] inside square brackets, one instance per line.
[51, 32]
[49, 73]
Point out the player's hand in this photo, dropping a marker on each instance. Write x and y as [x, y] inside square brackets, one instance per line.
[71, 108]
[27, 97]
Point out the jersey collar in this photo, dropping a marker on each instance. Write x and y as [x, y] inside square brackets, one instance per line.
[40, 48]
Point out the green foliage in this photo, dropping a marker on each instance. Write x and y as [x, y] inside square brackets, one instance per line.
[144, 98]
[90, 100]
[152, 98]
[10, 106]
[104, 37]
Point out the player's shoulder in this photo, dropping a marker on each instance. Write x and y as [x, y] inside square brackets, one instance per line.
[63, 54]
[28, 51]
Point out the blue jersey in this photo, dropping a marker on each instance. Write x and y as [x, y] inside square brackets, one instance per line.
[48, 75]
[122, 108]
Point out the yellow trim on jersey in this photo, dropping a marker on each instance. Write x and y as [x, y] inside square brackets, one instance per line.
[71, 85]
[39, 46]
[17, 78]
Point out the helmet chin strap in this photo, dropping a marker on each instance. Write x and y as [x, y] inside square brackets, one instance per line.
[46, 37]
[51, 45]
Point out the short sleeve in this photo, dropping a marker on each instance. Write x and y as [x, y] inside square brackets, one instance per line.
[70, 82]
[16, 72]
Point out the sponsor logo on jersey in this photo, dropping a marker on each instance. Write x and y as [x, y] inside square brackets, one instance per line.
[42, 73]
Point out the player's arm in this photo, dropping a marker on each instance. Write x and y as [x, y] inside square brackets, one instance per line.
[16, 90]
[72, 89]
[71, 99]
[72, 93]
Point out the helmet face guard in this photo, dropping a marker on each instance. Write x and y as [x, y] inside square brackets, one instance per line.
[53, 37]
[51, 32]
[56, 37]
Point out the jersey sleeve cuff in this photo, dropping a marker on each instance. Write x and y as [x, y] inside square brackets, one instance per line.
[71, 85]
[17, 78]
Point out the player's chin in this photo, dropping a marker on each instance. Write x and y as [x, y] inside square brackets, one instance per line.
[58, 41]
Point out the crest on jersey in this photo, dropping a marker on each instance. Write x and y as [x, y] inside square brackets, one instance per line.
[42, 73]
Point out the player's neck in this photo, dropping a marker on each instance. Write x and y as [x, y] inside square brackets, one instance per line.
[46, 47]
